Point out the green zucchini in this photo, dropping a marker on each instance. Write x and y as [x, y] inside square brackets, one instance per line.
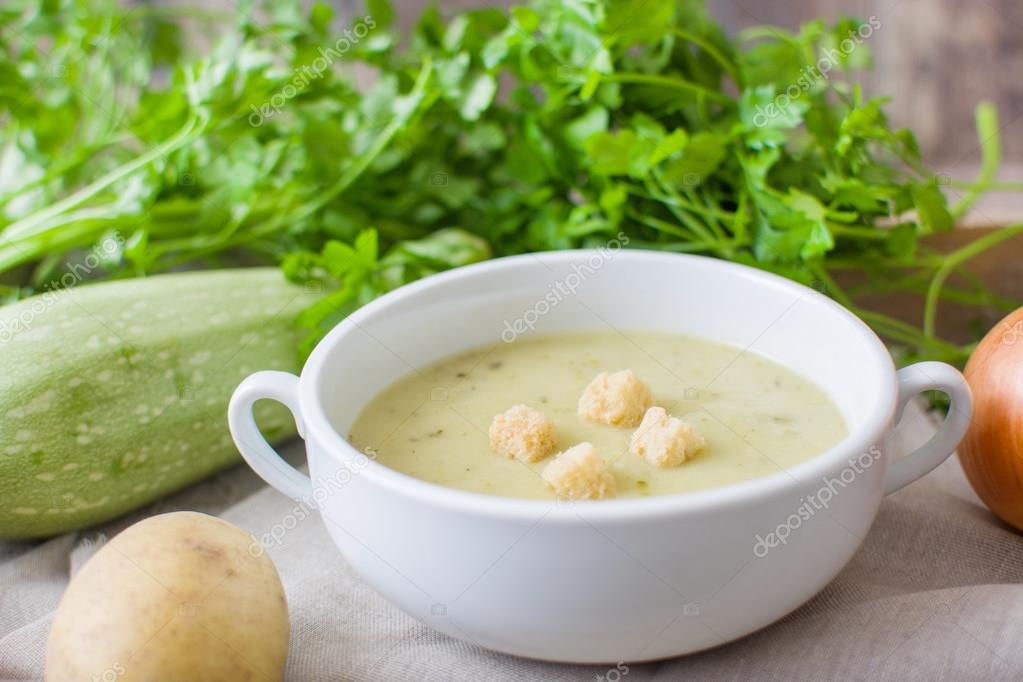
[115, 394]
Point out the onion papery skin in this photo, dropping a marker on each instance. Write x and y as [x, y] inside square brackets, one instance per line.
[992, 451]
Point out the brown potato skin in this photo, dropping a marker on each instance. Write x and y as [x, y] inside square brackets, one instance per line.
[179, 596]
[992, 451]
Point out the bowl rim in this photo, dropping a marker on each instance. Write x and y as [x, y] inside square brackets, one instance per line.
[321, 436]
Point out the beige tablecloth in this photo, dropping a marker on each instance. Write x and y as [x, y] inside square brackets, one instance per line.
[934, 594]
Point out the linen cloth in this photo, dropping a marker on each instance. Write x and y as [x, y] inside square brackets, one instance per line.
[934, 593]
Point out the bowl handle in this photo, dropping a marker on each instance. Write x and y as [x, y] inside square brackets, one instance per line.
[913, 380]
[264, 460]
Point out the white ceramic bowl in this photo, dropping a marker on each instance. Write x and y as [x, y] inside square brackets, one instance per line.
[614, 580]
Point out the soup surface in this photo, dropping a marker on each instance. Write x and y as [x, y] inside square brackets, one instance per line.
[757, 417]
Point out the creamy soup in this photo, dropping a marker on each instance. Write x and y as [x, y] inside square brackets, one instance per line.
[757, 417]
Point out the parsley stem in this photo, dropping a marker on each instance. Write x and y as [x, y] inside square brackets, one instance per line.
[60, 168]
[414, 99]
[991, 158]
[672, 82]
[687, 246]
[954, 260]
[994, 186]
[24, 239]
[716, 54]
[853, 263]
[679, 210]
[660, 225]
[675, 200]
[874, 233]
[910, 336]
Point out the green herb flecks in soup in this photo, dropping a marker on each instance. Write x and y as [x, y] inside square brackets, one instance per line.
[757, 417]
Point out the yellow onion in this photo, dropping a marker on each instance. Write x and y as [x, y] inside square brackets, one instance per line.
[992, 452]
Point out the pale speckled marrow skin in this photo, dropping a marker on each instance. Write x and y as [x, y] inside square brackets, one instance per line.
[115, 394]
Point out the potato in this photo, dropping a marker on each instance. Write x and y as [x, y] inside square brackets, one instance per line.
[180, 596]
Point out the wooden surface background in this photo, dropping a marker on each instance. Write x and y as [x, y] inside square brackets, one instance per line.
[936, 58]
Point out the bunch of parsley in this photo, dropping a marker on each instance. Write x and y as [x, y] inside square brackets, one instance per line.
[554, 124]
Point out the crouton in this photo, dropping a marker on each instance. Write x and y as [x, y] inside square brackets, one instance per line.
[580, 474]
[522, 433]
[618, 399]
[665, 441]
